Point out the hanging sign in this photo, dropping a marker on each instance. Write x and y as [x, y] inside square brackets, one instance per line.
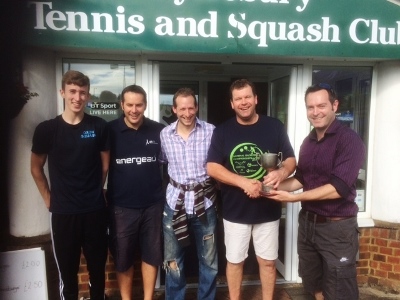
[341, 28]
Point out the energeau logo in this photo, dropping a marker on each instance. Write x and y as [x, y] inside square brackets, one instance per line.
[137, 160]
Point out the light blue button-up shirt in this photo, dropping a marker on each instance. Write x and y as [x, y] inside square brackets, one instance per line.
[186, 160]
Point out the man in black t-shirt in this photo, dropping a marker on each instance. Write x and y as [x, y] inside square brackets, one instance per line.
[134, 192]
[233, 160]
[76, 147]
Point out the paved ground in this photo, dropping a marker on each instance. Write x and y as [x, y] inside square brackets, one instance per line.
[285, 291]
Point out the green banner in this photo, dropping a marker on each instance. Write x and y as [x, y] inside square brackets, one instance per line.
[302, 28]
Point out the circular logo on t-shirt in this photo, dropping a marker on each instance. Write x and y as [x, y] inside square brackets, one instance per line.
[244, 161]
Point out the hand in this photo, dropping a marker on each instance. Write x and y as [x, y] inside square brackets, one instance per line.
[105, 196]
[47, 203]
[251, 187]
[47, 199]
[281, 196]
[274, 177]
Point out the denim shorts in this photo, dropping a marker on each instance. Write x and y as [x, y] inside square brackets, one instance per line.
[327, 257]
[136, 228]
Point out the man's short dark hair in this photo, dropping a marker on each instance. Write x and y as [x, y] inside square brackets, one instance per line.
[241, 83]
[185, 92]
[137, 89]
[75, 77]
[322, 86]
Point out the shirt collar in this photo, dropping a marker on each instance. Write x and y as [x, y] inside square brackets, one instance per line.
[175, 124]
[332, 129]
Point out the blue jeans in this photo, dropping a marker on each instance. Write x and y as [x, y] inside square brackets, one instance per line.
[206, 245]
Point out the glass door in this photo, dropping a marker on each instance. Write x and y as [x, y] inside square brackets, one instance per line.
[283, 93]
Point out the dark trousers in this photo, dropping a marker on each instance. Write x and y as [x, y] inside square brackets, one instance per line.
[327, 257]
[72, 234]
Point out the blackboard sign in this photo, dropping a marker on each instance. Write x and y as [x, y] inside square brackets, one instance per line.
[23, 275]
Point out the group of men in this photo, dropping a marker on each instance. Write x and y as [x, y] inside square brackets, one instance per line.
[83, 151]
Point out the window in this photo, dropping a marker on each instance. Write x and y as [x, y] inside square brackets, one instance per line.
[353, 87]
[107, 80]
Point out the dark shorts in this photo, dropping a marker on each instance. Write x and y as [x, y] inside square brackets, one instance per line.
[136, 228]
[327, 257]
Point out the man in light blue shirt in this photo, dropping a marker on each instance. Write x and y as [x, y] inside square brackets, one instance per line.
[190, 199]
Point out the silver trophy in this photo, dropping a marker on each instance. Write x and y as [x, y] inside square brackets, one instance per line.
[269, 162]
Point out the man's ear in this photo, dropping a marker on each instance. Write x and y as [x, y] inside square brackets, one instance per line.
[335, 105]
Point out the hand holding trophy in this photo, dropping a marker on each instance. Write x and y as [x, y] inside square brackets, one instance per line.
[269, 162]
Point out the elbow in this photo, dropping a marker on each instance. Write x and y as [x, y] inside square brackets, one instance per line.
[209, 170]
[35, 172]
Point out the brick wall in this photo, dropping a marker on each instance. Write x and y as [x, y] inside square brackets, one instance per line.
[379, 260]
[111, 278]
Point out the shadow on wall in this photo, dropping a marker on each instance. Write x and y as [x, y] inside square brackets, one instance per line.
[11, 102]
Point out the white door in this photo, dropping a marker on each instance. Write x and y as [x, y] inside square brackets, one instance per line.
[282, 106]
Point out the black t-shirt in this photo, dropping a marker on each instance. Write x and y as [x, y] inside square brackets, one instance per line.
[237, 147]
[134, 179]
[75, 169]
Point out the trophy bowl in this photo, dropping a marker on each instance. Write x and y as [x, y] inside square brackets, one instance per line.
[269, 162]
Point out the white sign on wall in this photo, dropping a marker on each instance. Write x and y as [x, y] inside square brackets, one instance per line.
[360, 200]
[23, 275]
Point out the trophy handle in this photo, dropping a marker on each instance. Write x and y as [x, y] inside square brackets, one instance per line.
[280, 159]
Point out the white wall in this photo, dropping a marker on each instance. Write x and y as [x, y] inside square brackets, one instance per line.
[385, 173]
[27, 212]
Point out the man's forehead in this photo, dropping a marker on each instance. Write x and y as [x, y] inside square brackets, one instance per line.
[72, 86]
[244, 89]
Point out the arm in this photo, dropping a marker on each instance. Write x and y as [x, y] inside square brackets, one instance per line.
[250, 186]
[162, 157]
[105, 163]
[325, 192]
[37, 171]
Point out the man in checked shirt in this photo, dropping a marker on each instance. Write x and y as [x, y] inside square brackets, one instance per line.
[190, 199]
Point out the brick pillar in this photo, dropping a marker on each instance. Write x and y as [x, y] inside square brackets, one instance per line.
[379, 261]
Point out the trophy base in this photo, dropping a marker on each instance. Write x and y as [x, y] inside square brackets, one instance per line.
[266, 189]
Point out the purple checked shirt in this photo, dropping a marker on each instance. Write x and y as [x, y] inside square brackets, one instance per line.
[186, 160]
[335, 159]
